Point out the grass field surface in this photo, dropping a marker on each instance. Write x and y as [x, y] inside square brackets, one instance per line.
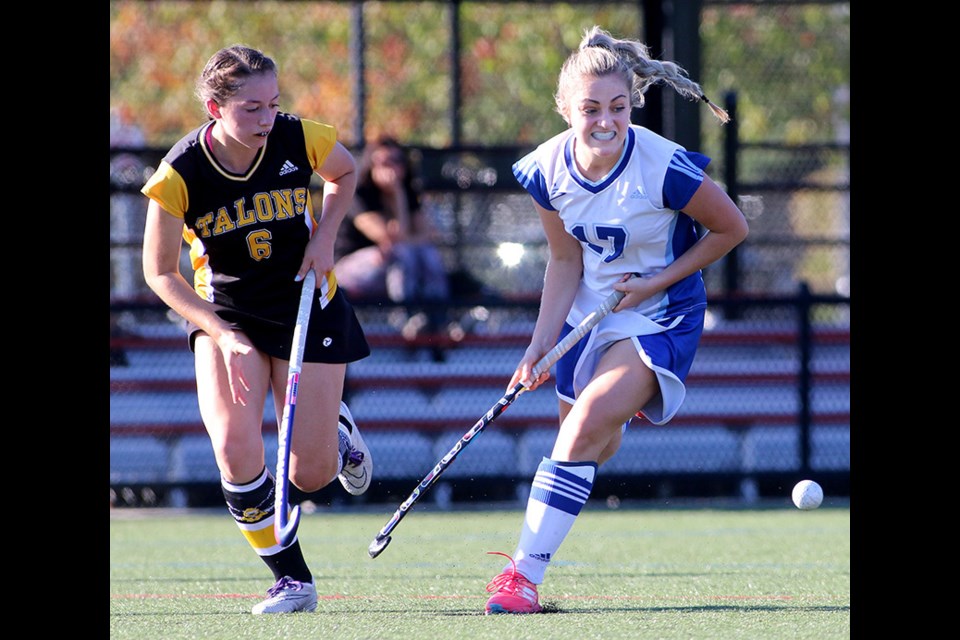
[763, 573]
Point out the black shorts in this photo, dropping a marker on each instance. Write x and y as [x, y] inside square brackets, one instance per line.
[334, 335]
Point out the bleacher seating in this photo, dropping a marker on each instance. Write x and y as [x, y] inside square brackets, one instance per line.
[740, 414]
[400, 455]
[138, 459]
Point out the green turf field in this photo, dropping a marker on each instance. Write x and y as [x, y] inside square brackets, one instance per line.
[680, 573]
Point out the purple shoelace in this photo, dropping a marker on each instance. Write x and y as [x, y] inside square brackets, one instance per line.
[284, 583]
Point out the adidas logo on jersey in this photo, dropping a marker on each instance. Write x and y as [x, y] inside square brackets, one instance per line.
[288, 167]
[639, 193]
[542, 557]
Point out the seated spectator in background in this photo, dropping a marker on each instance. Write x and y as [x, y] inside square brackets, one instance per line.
[387, 246]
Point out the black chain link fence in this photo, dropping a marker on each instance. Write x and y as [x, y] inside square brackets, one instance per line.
[768, 398]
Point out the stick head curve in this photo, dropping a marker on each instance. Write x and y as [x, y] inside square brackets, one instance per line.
[284, 532]
[378, 545]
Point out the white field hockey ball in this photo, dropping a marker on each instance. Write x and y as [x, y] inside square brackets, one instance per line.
[807, 495]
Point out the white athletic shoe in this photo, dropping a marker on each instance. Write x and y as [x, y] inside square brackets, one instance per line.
[288, 596]
[357, 472]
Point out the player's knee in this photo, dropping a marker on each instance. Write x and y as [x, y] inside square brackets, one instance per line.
[238, 461]
[313, 477]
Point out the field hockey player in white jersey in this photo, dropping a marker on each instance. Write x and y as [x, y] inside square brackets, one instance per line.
[619, 206]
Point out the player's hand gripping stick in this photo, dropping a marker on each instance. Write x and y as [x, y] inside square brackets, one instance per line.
[383, 538]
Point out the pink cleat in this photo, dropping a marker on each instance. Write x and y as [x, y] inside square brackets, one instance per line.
[512, 592]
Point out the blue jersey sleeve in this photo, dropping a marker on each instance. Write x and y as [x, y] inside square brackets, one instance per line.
[530, 177]
[683, 178]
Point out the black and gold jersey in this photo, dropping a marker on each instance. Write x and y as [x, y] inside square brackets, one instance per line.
[247, 232]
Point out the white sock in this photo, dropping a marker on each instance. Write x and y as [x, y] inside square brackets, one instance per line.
[557, 495]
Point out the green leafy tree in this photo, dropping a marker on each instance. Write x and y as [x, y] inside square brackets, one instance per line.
[788, 64]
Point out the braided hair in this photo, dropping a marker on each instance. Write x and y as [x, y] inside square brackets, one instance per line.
[600, 54]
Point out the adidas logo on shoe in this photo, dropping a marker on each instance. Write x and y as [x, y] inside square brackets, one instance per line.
[288, 167]
[512, 592]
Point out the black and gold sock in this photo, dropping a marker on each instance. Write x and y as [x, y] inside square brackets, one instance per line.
[252, 507]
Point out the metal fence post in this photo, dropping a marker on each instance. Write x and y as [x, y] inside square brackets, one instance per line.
[358, 46]
[804, 307]
[731, 264]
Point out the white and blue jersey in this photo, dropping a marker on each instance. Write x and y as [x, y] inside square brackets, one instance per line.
[630, 221]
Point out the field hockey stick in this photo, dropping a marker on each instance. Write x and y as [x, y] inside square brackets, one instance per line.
[285, 522]
[383, 538]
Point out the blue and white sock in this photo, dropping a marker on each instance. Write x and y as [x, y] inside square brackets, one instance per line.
[558, 493]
